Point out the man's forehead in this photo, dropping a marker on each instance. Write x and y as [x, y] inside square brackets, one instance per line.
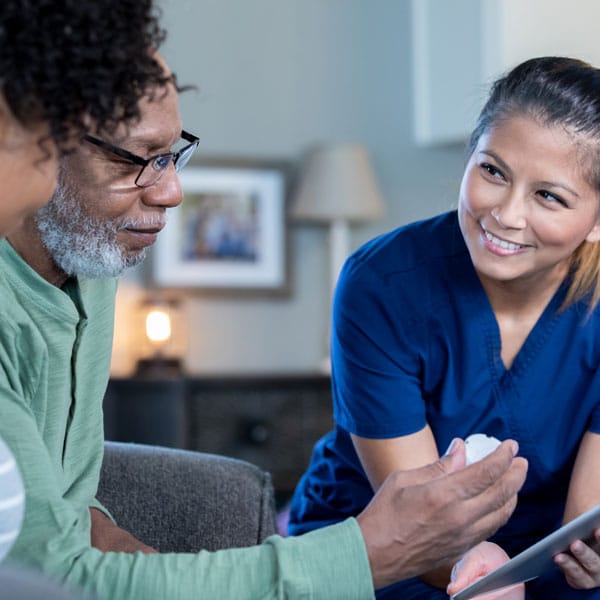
[148, 135]
[158, 127]
[148, 140]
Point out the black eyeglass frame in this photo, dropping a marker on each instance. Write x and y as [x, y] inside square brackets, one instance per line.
[144, 162]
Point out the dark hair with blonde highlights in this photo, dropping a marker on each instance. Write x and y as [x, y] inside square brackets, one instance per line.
[69, 62]
[557, 92]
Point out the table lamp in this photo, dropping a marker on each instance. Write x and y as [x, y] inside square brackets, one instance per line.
[161, 359]
[337, 187]
[158, 326]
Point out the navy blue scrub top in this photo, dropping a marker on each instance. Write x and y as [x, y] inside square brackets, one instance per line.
[415, 341]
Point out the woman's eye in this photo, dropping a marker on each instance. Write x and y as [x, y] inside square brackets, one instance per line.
[492, 170]
[552, 198]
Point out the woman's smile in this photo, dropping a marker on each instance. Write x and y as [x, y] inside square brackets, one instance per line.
[525, 205]
[501, 246]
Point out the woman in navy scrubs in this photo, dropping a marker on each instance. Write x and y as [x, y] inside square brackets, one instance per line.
[482, 320]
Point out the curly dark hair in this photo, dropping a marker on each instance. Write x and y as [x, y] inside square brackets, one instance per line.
[67, 62]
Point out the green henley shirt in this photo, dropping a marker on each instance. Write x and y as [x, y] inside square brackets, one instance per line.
[55, 347]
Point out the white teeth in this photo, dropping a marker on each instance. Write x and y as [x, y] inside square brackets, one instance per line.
[502, 243]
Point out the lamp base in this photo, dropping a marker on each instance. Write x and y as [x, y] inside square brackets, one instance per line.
[159, 368]
[325, 365]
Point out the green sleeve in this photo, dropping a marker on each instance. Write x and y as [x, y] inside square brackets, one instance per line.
[329, 563]
[95, 503]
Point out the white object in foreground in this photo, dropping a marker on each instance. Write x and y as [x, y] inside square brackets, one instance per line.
[12, 500]
[479, 445]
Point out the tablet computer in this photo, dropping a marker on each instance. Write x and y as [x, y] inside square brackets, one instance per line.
[537, 559]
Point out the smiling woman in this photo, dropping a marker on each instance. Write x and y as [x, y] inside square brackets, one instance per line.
[482, 320]
[523, 214]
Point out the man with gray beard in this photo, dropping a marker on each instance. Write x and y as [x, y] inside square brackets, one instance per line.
[83, 244]
[57, 286]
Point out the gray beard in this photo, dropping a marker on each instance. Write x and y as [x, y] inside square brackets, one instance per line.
[79, 244]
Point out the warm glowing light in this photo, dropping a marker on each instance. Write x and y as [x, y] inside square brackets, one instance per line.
[158, 326]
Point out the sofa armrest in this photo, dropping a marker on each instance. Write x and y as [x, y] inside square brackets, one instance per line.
[184, 501]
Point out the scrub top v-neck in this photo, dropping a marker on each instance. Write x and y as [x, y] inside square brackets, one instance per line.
[415, 342]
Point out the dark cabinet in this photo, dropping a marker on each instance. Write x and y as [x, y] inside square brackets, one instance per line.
[272, 421]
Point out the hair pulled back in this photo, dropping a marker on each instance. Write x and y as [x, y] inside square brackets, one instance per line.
[556, 92]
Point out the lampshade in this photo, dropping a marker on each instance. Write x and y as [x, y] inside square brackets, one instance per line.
[337, 182]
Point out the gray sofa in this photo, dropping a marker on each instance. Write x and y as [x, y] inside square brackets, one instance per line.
[173, 500]
[182, 501]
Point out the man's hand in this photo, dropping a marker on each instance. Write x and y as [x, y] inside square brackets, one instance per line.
[106, 536]
[476, 563]
[422, 518]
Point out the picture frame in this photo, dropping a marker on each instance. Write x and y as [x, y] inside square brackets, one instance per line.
[229, 234]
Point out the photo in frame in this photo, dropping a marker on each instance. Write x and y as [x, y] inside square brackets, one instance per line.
[229, 232]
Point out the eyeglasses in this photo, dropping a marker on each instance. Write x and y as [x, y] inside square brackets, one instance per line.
[154, 167]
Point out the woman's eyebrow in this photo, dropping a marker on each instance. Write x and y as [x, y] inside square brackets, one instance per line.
[559, 185]
[506, 168]
[500, 162]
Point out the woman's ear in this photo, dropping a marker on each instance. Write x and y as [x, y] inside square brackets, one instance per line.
[594, 235]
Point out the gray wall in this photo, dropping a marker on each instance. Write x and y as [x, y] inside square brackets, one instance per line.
[274, 77]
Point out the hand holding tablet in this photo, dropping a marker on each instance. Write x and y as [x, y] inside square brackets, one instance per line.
[477, 562]
[537, 559]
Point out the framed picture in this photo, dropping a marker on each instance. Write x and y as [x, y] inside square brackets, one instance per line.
[229, 232]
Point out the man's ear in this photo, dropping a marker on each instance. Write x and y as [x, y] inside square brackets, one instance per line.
[5, 118]
[3, 115]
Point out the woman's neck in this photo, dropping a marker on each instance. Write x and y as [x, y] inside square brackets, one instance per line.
[524, 296]
[518, 305]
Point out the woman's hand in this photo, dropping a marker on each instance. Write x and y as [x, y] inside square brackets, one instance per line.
[476, 563]
[581, 566]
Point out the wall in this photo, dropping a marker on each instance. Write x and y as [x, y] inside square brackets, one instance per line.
[274, 77]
